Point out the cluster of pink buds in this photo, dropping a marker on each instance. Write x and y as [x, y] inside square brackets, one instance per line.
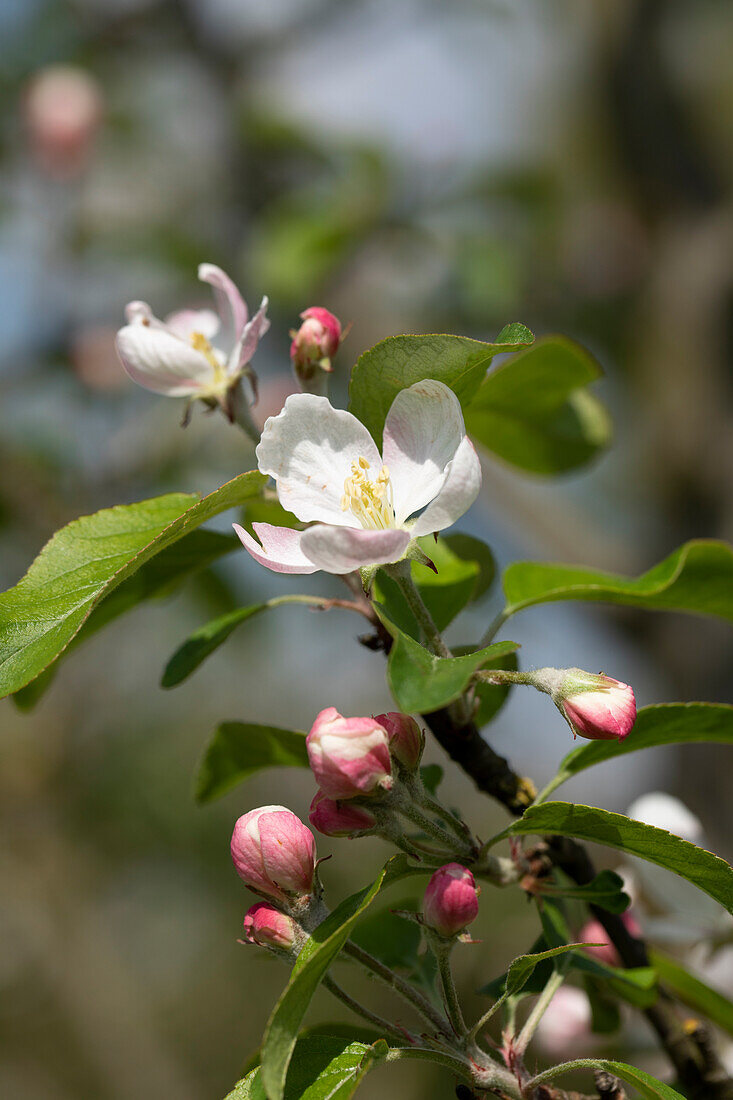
[451, 901]
[313, 346]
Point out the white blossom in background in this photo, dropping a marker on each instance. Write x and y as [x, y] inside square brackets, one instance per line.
[365, 508]
[194, 353]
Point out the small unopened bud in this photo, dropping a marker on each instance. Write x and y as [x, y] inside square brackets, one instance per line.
[63, 110]
[349, 756]
[597, 707]
[594, 933]
[406, 739]
[338, 818]
[268, 927]
[451, 900]
[314, 345]
[274, 852]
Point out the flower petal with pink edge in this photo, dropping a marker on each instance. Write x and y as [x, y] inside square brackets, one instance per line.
[161, 361]
[308, 449]
[228, 298]
[252, 333]
[344, 549]
[280, 550]
[422, 432]
[458, 492]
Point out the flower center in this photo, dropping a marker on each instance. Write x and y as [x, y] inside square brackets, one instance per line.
[369, 501]
[200, 343]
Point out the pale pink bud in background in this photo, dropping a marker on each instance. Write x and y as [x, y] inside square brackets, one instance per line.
[451, 900]
[63, 111]
[348, 756]
[594, 932]
[317, 340]
[337, 818]
[598, 707]
[267, 926]
[565, 1028]
[406, 739]
[274, 852]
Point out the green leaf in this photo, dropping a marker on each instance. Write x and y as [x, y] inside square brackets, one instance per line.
[84, 562]
[469, 548]
[698, 577]
[239, 749]
[398, 362]
[604, 1007]
[660, 724]
[422, 682]
[605, 890]
[445, 593]
[432, 777]
[708, 872]
[534, 411]
[522, 968]
[649, 1087]
[324, 1067]
[204, 641]
[310, 969]
[693, 992]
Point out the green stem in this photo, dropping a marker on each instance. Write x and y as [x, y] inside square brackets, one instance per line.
[402, 575]
[323, 603]
[239, 409]
[426, 1054]
[483, 1021]
[452, 1004]
[361, 1010]
[456, 845]
[404, 988]
[538, 1011]
[493, 629]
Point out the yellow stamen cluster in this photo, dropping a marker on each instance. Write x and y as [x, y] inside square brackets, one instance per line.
[369, 501]
[200, 343]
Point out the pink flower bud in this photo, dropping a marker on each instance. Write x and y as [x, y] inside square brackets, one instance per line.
[565, 1029]
[63, 110]
[451, 900]
[594, 932]
[348, 756]
[267, 926]
[317, 339]
[406, 739]
[597, 707]
[274, 852]
[338, 819]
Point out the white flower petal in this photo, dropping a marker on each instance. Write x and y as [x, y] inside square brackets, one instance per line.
[184, 322]
[228, 298]
[422, 433]
[161, 361]
[460, 489]
[343, 549]
[280, 550]
[252, 333]
[308, 448]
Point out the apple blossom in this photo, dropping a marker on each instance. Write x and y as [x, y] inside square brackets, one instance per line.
[269, 927]
[565, 1029]
[182, 356]
[594, 933]
[328, 472]
[314, 345]
[406, 739]
[334, 818]
[63, 110]
[348, 756]
[451, 900]
[274, 852]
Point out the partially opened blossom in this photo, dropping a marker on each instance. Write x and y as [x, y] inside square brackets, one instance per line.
[274, 852]
[348, 756]
[193, 353]
[313, 347]
[365, 508]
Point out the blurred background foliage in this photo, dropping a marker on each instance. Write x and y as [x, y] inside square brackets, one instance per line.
[414, 167]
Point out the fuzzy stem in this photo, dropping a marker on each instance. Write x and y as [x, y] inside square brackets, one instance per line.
[442, 952]
[396, 982]
[361, 1010]
[402, 574]
[493, 629]
[538, 1011]
[409, 810]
